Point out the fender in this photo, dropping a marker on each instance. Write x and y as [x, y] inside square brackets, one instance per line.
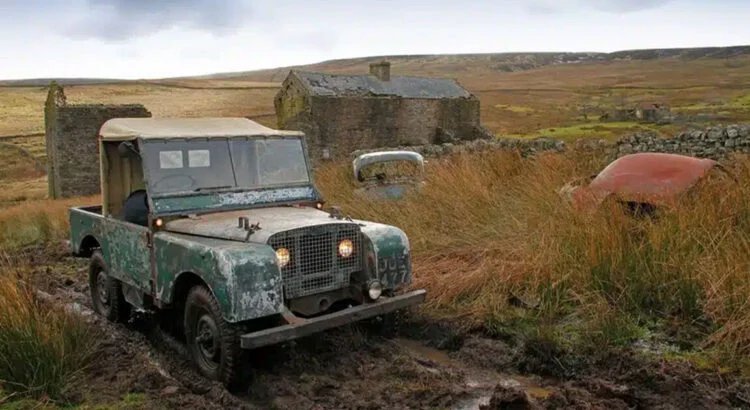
[244, 277]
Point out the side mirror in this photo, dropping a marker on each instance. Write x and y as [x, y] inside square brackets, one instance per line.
[127, 149]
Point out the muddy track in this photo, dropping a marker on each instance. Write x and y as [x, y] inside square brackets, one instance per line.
[427, 366]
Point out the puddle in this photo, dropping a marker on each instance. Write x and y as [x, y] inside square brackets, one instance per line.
[480, 382]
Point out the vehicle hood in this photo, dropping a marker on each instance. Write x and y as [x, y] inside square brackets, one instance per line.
[224, 225]
[654, 178]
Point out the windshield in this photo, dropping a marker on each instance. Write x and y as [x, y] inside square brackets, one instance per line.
[223, 164]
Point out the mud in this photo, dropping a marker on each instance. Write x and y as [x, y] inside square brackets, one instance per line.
[430, 365]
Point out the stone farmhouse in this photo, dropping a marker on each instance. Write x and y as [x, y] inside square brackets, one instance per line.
[343, 113]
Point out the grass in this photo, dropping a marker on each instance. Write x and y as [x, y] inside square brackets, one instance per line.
[35, 222]
[599, 130]
[43, 349]
[489, 230]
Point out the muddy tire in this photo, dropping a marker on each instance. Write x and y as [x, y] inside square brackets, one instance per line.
[106, 292]
[214, 344]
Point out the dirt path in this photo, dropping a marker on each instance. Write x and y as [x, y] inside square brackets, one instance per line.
[427, 366]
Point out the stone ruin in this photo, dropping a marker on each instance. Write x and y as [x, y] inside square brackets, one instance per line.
[343, 113]
[72, 141]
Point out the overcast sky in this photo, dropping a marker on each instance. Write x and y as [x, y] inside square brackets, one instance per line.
[161, 38]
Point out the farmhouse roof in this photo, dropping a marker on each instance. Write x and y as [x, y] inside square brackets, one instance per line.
[122, 129]
[370, 86]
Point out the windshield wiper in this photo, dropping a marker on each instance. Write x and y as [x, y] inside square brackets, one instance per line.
[213, 188]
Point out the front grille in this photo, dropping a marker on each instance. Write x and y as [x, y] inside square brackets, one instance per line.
[315, 265]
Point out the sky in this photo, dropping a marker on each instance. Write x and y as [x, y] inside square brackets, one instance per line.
[165, 38]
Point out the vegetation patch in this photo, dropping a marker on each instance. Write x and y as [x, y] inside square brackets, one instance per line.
[496, 246]
[43, 349]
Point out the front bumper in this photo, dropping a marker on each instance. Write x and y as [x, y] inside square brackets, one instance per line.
[307, 327]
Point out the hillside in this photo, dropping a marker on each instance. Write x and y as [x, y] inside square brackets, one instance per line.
[522, 94]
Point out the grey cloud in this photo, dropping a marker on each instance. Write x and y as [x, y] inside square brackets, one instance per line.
[124, 19]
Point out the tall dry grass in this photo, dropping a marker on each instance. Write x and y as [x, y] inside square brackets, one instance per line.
[36, 222]
[490, 233]
[43, 349]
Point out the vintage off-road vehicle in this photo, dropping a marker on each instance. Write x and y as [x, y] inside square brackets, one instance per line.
[216, 224]
[388, 174]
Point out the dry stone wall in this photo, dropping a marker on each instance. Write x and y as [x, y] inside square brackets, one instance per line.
[72, 144]
[713, 142]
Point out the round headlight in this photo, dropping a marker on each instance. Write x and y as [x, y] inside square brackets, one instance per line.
[346, 248]
[283, 257]
[375, 290]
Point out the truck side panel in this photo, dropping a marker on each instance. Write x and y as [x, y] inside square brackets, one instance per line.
[123, 245]
[243, 277]
[84, 223]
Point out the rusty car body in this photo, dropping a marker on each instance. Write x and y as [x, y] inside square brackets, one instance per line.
[232, 244]
[643, 180]
[377, 181]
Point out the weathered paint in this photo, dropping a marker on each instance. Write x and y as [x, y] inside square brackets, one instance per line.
[214, 201]
[653, 178]
[243, 277]
[271, 220]
[391, 251]
[123, 245]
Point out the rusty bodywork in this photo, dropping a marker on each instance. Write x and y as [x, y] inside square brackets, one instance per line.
[232, 209]
[388, 174]
[652, 179]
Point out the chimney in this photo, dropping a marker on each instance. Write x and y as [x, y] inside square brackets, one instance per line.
[381, 70]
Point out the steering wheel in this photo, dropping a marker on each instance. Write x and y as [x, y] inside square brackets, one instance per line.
[187, 183]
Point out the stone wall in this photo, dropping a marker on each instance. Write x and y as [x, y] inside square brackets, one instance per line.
[72, 143]
[714, 142]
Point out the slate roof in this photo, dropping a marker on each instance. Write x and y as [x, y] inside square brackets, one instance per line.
[367, 85]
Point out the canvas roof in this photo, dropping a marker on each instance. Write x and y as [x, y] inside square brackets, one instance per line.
[122, 129]
[368, 85]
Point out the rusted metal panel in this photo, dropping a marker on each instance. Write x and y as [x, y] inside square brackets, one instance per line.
[243, 277]
[652, 178]
[309, 326]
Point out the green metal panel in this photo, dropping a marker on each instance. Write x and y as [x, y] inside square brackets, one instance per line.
[243, 277]
[392, 254]
[128, 253]
[201, 203]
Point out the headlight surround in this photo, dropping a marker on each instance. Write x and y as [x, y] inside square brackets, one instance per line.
[346, 248]
[283, 256]
[375, 289]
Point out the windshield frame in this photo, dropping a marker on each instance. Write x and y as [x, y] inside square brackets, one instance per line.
[147, 174]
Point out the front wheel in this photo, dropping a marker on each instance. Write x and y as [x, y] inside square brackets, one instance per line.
[214, 344]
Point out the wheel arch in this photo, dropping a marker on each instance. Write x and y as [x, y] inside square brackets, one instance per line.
[88, 245]
[182, 285]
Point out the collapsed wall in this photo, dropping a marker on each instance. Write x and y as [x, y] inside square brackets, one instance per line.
[714, 142]
[71, 132]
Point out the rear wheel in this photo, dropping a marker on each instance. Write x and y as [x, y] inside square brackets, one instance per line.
[106, 292]
[214, 344]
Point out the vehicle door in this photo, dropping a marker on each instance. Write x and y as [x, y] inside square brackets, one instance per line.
[129, 251]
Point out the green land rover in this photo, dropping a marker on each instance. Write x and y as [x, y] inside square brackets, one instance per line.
[216, 224]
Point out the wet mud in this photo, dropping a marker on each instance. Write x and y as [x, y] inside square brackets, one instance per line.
[427, 366]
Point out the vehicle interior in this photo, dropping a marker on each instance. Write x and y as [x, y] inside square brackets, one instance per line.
[123, 187]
